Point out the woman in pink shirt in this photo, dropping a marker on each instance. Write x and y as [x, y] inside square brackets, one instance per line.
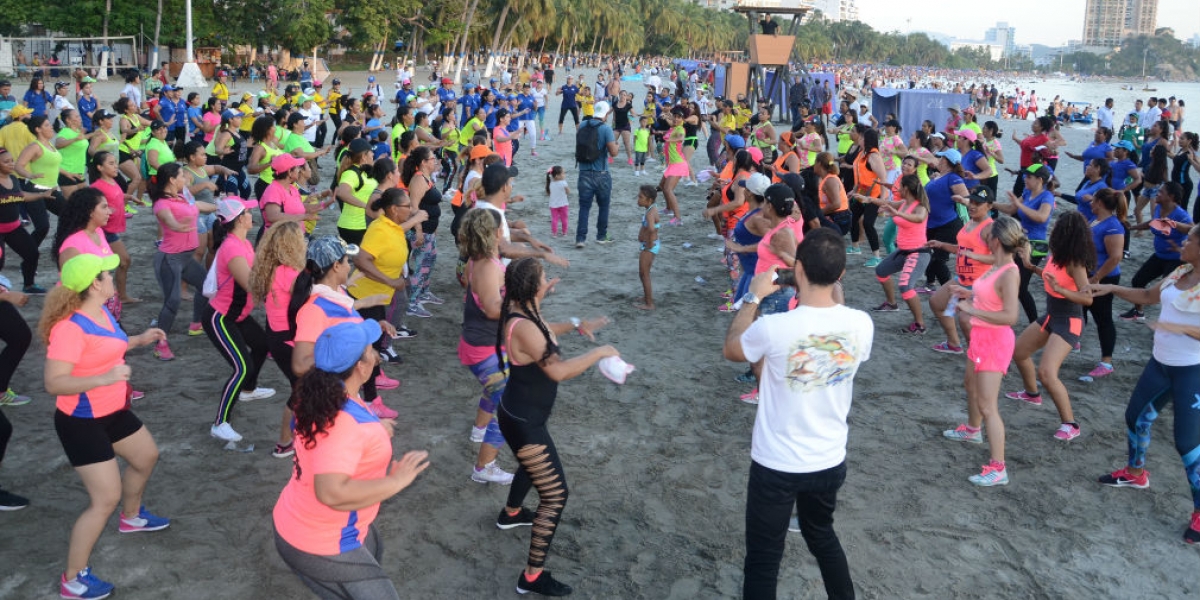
[104, 171]
[281, 200]
[175, 260]
[79, 232]
[501, 140]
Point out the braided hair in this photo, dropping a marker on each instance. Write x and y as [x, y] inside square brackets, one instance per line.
[522, 279]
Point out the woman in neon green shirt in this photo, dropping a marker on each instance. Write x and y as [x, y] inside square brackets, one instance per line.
[40, 163]
[262, 134]
[355, 187]
[73, 143]
[156, 151]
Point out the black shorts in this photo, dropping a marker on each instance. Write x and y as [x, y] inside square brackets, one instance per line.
[123, 156]
[63, 180]
[112, 238]
[1063, 318]
[90, 441]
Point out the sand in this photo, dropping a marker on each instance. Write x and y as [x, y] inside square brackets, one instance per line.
[657, 468]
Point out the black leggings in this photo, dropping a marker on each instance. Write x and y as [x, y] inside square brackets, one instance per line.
[6, 429]
[541, 469]
[562, 114]
[352, 236]
[938, 269]
[1152, 269]
[869, 213]
[37, 211]
[24, 245]
[1101, 311]
[1026, 298]
[374, 313]
[281, 352]
[16, 336]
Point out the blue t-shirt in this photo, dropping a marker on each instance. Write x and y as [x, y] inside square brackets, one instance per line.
[1035, 230]
[1162, 242]
[37, 101]
[526, 102]
[1110, 226]
[568, 93]
[968, 162]
[1088, 189]
[605, 137]
[1095, 151]
[1120, 173]
[194, 113]
[402, 96]
[181, 114]
[489, 120]
[167, 112]
[382, 150]
[87, 105]
[445, 94]
[470, 103]
[942, 208]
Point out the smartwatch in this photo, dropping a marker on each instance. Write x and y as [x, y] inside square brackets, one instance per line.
[750, 298]
[576, 323]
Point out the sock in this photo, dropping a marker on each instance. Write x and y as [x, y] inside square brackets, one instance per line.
[513, 513]
[535, 577]
[1034, 394]
[1072, 424]
[999, 464]
[973, 429]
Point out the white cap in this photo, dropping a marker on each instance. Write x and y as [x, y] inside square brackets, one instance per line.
[600, 110]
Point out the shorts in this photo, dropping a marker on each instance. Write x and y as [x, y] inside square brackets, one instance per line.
[909, 265]
[652, 249]
[64, 181]
[1066, 324]
[123, 156]
[991, 348]
[679, 169]
[777, 302]
[1149, 191]
[625, 128]
[90, 441]
[112, 238]
[691, 142]
[205, 222]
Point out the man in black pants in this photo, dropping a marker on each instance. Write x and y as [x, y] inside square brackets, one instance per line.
[798, 449]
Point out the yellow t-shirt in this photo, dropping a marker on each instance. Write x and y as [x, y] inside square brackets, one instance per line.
[15, 136]
[386, 242]
[247, 117]
[332, 102]
[587, 105]
[221, 91]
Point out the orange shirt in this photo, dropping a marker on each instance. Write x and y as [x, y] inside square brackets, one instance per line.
[971, 241]
[1059, 273]
[321, 312]
[866, 182]
[843, 201]
[92, 349]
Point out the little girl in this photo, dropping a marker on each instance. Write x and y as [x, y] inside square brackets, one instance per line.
[648, 236]
[560, 207]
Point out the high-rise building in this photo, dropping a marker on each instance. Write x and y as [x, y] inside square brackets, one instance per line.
[837, 10]
[1107, 22]
[1001, 35]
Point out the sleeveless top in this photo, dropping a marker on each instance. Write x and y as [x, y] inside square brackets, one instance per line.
[529, 394]
[843, 201]
[1058, 305]
[970, 241]
[985, 296]
[909, 235]
[240, 155]
[766, 258]
[477, 328]
[675, 149]
[205, 195]
[46, 166]
[267, 175]
[745, 237]
[866, 182]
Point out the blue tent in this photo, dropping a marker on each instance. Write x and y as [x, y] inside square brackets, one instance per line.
[912, 107]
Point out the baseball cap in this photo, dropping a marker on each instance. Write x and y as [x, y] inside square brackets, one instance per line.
[780, 196]
[169, 88]
[1037, 170]
[600, 110]
[407, 82]
[309, 92]
[468, 86]
[756, 154]
[317, 84]
[229, 113]
[86, 79]
[447, 80]
[967, 133]
[953, 109]
[99, 115]
[1126, 144]
[982, 194]
[938, 135]
[480, 151]
[756, 184]
[952, 155]
[247, 95]
[970, 110]
[157, 124]
[337, 81]
[495, 176]
[222, 74]
[284, 163]
[230, 208]
[735, 141]
[340, 347]
[358, 145]
[371, 79]
[328, 249]
[79, 272]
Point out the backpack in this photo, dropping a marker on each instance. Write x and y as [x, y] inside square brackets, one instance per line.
[587, 142]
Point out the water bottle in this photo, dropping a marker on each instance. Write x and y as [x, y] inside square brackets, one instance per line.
[951, 307]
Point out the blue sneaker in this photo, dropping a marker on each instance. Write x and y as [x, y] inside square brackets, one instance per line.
[84, 586]
[144, 521]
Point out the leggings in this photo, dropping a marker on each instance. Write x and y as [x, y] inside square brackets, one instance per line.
[560, 218]
[1101, 311]
[449, 168]
[243, 344]
[374, 313]
[423, 257]
[260, 186]
[351, 575]
[492, 379]
[169, 269]
[869, 213]
[351, 236]
[16, 336]
[23, 244]
[562, 114]
[1026, 298]
[1154, 267]
[541, 469]
[6, 430]
[37, 210]
[938, 269]
[856, 213]
[281, 351]
[1158, 384]
[908, 265]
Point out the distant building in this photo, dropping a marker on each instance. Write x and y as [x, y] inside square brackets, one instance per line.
[1001, 35]
[995, 51]
[1106, 23]
[837, 10]
[1195, 41]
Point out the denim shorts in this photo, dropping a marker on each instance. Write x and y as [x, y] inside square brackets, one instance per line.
[204, 223]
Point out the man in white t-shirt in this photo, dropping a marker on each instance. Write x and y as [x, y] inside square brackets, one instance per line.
[809, 358]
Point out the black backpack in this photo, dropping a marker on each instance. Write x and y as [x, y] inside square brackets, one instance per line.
[587, 142]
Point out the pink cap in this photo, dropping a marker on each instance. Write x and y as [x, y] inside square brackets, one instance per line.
[756, 154]
[284, 163]
[967, 133]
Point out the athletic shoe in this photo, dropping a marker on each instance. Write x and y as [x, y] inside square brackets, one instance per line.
[137, 395]
[491, 473]
[84, 586]
[715, 236]
[1066, 432]
[195, 329]
[873, 262]
[578, 244]
[750, 398]
[11, 398]
[1133, 314]
[523, 518]
[10, 501]
[383, 382]
[130, 211]
[990, 476]
[1025, 397]
[675, 222]
[404, 333]
[726, 307]
[258, 393]
[962, 434]
[390, 355]
[747, 377]
[284, 450]
[666, 213]
[853, 250]
[477, 433]
[143, 521]
[381, 410]
[886, 307]
[1192, 535]
[225, 432]
[631, 162]
[1101, 370]
[947, 348]
[1123, 478]
[163, 351]
[606, 240]
[428, 298]
[914, 328]
[794, 524]
[532, 153]
[416, 310]
[34, 290]
[544, 585]
[926, 289]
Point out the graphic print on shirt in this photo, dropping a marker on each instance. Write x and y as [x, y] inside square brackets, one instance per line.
[820, 361]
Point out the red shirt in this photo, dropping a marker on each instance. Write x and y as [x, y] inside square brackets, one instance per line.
[1028, 146]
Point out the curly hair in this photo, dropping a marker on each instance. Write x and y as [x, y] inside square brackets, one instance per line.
[76, 215]
[61, 302]
[1071, 242]
[477, 234]
[521, 281]
[261, 129]
[318, 398]
[283, 244]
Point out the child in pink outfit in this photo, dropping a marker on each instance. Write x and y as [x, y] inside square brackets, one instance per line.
[560, 206]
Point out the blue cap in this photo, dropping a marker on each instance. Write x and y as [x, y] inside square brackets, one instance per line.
[229, 113]
[168, 88]
[468, 86]
[371, 79]
[339, 347]
[952, 155]
[1126, 144]
[328, 249]
[735, 141]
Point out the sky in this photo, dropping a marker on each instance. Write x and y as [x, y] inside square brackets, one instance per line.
[1034, 24]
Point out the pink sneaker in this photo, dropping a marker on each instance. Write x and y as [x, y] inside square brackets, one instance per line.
[1025, 397]
[384, 382]
[533, 153]
[751, 398]
[1066, 432]
[1101, 370]
[631, 162]
[163, 351]
[195, 329]
[380, 410]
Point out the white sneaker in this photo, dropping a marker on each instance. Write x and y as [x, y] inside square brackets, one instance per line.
[477, 433]
[491, 473]
[225, 432]
[261, 393]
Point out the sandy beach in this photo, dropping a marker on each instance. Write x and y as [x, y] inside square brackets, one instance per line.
[657, 468]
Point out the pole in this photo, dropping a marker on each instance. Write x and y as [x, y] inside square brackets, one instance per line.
[190, 57]
[190, 75]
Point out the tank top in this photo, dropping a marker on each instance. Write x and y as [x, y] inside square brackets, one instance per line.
[731, 217]
[985, 296]
[675, 149]
[431, 204]
[46, 166]
[1053, 269]
[236, 160]
[689, 131]
[110, 144]
[843, 201]
[529, 394]
[866, 182]
[766, 258]
[133, 143]
[269, 152]
[970, 241]
[477, 328]
[745, 237]
[909, 235]
[205, 195]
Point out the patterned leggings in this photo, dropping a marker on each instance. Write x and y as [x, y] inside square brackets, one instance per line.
[1159, 384]
[423, 257]
[492, 379]
[540, 469]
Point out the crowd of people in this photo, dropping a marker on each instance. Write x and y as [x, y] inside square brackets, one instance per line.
[235, 186]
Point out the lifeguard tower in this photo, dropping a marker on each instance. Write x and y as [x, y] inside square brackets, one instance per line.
[767, 52]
